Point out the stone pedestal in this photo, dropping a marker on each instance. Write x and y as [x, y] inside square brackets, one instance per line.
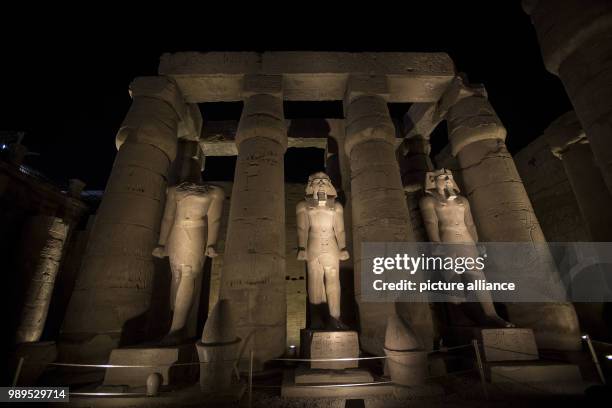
[320, 344]
[253, 278]
[305, 376]
[160, 360]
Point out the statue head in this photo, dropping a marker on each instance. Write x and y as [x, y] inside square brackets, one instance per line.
[443, 182]
[320, 188]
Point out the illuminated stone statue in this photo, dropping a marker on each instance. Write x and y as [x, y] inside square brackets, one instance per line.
[189, 231]
[448, 219]
[322, 244]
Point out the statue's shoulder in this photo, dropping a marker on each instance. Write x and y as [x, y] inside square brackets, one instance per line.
[462, 200]
[215, 191]
[338, 206]
[301, 206]
[427, 201]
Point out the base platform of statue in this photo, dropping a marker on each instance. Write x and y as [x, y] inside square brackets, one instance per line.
[167, 361]
[511, 357]
[324, 344]
[181, 397]
[36, 357]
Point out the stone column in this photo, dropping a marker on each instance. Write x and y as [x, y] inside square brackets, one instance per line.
[568, 142]
[109, 305]
[503, 213]
[380, 213]
[45, 237]
[253, 278]
[576, 41]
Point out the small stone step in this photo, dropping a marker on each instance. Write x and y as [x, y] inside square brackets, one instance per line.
[520, 372]
[305, 375]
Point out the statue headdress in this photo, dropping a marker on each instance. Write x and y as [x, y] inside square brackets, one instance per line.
[320, 175]
[431, 176]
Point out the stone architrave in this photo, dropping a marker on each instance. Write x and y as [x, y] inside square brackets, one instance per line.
[46, 236]
[503, 213]
[575, 38]
[114, 287]
[379, 208]
[253, 277]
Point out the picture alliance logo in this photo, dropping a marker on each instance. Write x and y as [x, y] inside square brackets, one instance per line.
[425, 263]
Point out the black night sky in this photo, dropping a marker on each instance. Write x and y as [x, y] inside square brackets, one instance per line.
[66, 85]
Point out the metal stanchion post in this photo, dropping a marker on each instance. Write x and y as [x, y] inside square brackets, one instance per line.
[18, 371]
[481, 369]
[251, 379]
[595, 359]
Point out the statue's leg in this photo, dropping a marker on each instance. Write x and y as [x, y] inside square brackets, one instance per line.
[183, 298]
[316, 295]
[316, 286]
[174, 283]
[485, 302]
[332, 289]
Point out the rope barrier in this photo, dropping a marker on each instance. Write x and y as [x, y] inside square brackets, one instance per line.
[443, 350]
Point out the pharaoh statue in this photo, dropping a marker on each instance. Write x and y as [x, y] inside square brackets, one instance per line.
[322, 244]
[188, 234]
[448, 219]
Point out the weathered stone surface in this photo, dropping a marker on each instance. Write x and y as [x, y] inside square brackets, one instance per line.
[305, 375]
[379, 210]
[315, 76]
[290, 389]
[218, 349]
[157, 360]
[43, 249]
[574, 37]
[319, 344]
[550, 193]
[503, 213]
[254, 264]
[509, 344]
[525, 373]
[114, 288]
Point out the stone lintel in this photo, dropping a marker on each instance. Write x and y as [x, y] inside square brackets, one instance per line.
[308, 76]
[218, 137]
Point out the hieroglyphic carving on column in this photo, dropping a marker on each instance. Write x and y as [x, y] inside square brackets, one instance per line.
[44, 241]
[253, 278]
[114, 287]
[503, 212]
[379, 207]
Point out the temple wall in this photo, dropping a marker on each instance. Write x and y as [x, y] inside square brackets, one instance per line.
[550, 193]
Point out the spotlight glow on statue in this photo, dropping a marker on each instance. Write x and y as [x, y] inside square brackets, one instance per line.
[448, 219]
[188, 234]
[322, 244]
